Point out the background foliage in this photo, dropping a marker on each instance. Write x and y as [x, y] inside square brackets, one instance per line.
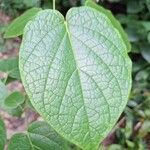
[133, 129]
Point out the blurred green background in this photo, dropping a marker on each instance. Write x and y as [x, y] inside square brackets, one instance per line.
[133, 129]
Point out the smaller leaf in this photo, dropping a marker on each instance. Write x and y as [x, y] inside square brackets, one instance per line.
[48, 5]
[20, 141]
[132, 34]
[145, 51]
[145, 129]
[14, 99]
[4, 93]
[32, 3]
[147, 113]
[120, 136]
[130, 144]
[10, 66]
[134, 7]
[2, 134]
[148, 4]
[17, 26]
[17, 112]
[115, 147]
[39, 136]
[128, 127]
[146, 25]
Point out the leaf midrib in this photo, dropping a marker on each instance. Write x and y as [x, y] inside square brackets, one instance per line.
[78, 70]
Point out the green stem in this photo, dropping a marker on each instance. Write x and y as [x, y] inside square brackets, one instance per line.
[53, 4]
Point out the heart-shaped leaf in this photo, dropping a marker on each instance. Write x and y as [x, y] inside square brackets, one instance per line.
[76, 72]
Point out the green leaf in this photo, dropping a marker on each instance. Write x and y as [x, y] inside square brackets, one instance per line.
[115, 147]
[17, 26]
[2, 134]
[20, 141]
[32, 3]
[14, 99]
[145, 129]
[128, 127]
[4, 93]
[134, 6]
[130, 144]
[145, 51]
[146, 25]
[77, 72]
[132, 34]
[17, 112]
[48, 5]
[10, 66]
[39, 136]
[148, 4]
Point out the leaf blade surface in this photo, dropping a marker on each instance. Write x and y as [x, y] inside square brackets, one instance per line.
[77, 73]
